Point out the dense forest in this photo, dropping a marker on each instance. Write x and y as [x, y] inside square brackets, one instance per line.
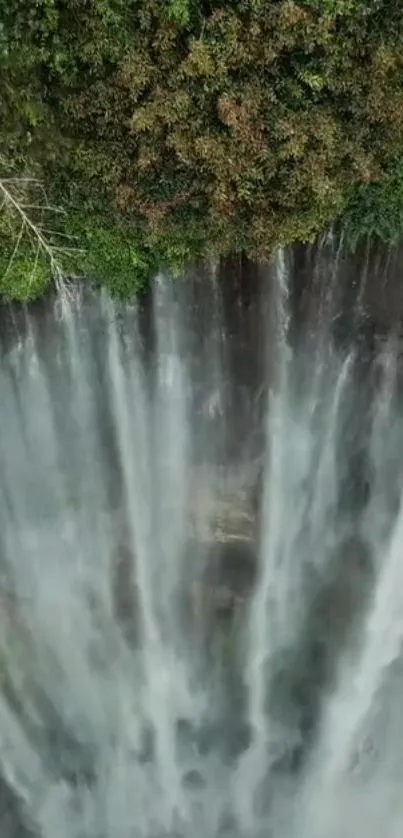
[137, 134]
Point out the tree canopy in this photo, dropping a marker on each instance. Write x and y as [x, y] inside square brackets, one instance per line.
[167, 128]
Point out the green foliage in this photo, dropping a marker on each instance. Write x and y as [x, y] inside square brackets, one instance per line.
[124, 259]
[169, 127]
[25, 280]
[24, 273]
[108, 252]
[112, 257]
[179, 11]
[376, 209]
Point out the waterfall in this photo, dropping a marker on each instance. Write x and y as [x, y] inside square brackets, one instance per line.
[201, 516]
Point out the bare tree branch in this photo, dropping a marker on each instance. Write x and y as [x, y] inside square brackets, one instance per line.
[18, 199]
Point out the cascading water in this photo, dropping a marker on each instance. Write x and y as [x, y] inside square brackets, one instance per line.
[134, 700]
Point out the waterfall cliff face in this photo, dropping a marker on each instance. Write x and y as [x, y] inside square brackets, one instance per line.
[201, 579]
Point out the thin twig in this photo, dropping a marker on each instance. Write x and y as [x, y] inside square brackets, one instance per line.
[48, 232]
[20, 179]
[67, 249]
[47, 208]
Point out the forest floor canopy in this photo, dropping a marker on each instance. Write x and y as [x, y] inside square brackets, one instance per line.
[162, 130]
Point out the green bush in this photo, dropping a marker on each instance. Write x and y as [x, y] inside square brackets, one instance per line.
[124, 259]
[25, 280]
[376, 209]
